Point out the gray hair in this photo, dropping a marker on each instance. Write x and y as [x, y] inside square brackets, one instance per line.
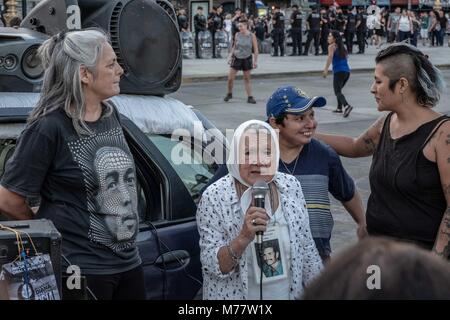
[62, 56]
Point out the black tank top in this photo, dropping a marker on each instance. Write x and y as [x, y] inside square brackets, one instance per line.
[406, 200]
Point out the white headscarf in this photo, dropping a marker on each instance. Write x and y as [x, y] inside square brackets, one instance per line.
[234, 156]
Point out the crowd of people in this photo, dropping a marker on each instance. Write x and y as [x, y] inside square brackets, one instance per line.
[358, 25]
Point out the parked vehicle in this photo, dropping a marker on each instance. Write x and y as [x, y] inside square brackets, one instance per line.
[168, 191]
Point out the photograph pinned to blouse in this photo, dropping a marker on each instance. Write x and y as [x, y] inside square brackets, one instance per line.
[272, 258]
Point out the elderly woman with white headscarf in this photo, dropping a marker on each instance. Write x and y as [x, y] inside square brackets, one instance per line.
[228, 221]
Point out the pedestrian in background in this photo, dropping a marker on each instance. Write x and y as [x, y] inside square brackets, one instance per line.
[243, 56]
[338, 57]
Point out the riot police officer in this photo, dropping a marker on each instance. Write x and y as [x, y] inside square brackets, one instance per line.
[234, 22]
[199, 26]
[215, 23]
[313, 27]
[324, 30]
[182, 19]
[341, 20]
[296, 30]
[361, 29]
[350, 30]
[278, 32]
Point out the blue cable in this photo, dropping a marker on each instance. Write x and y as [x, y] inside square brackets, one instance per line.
[25, 276]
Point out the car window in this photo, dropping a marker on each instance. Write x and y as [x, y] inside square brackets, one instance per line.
[196, 172]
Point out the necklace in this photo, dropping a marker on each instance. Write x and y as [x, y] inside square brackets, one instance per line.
[295, 165]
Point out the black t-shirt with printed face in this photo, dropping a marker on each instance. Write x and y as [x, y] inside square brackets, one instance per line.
[87, 187]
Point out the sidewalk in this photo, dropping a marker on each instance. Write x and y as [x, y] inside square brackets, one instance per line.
[205, 70]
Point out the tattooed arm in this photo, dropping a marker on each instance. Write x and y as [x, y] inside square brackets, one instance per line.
[363, 146]
[442, 243]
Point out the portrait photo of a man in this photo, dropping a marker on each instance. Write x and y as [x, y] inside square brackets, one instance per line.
[272, 262]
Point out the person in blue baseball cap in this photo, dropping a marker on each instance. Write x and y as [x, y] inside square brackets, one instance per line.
[313, 163]
[292, 100]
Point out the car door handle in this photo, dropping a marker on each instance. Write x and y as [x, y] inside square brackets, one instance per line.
[174, 259]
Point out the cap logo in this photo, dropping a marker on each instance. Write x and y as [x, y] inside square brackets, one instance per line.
[301, 93]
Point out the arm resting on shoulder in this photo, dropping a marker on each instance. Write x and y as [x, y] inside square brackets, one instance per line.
[363, 146]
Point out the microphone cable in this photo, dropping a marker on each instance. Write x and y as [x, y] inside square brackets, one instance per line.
[261, 263]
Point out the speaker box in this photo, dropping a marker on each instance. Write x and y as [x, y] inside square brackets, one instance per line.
[20, 67]
[49, 16]
[144, 35]
[46, 239]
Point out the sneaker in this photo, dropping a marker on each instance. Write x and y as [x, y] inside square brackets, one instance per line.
[337, 110]
[251, 100]
[347, 110]
[228, 97]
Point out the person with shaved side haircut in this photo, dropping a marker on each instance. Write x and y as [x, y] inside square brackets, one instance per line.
[410, 172]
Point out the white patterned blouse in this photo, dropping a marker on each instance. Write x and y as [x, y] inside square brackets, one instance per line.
[220, 220]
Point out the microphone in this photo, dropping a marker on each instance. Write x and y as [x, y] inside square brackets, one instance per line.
[259, 190]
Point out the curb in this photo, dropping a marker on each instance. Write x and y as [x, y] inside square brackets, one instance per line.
[204, 78]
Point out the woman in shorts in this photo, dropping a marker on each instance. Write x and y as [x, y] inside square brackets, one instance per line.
[243, 56]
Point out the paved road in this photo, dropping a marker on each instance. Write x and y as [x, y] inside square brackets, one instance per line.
[217, 69]
[207, 97]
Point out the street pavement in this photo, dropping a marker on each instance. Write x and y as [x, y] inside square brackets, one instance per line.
[208, 98]
[203, 70]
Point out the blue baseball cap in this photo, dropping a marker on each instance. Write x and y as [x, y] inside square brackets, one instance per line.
[290, 99]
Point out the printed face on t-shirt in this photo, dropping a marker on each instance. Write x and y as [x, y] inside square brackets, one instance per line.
[117, 196]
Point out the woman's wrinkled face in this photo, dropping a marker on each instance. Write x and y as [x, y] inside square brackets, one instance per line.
[105, 83]
[256, 156]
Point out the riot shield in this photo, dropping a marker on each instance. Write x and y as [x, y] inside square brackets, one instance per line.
[187, 43]
[205, 43]
[221, 41]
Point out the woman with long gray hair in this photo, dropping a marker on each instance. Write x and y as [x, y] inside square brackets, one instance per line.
[410, 172]
[74, 157]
